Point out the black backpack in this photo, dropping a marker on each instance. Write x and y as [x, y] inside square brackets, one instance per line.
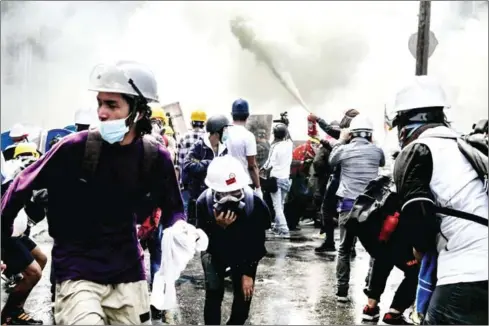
[376, 203]
[475, 149]
[93, 147]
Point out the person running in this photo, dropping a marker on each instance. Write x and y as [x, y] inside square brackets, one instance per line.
[99, 181]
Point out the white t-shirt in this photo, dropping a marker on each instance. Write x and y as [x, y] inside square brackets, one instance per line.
[280, 159]
[241, 143]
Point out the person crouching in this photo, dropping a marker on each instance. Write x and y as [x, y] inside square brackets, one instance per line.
[235, 221]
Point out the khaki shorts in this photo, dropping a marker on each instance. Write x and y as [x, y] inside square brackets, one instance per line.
[88, 303]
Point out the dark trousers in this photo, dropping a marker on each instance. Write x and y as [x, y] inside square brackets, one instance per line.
[328, 213]
[192, 212]
[52, 278]
[458, 304]
[214, 273]
[380, 269]
[154, 249]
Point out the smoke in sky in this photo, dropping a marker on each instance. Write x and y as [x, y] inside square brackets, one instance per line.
[338, 55]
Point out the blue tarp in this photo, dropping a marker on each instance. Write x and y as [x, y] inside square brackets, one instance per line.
[54, 133]
[6, 140]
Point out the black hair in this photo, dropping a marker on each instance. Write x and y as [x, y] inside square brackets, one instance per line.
[434, 115]
[136, 104]
[240, 116]
[81, 127]
[349, 115]
[198, 124]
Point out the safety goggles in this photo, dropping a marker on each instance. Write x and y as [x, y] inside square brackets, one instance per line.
[224, 197]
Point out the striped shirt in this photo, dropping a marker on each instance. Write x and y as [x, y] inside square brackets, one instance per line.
[359, 161]
[185, 143]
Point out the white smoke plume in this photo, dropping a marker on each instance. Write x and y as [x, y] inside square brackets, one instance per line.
[338, 55]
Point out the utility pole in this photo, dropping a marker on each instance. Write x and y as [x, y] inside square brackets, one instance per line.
[422, 52]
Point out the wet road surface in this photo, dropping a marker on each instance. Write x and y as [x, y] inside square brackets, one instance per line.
[294, 286]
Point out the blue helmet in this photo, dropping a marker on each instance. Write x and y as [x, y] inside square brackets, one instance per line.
[240, 107]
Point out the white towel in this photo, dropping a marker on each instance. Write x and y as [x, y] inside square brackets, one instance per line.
[179, 244]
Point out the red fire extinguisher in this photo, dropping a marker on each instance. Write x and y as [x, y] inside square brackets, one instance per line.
[312, 130]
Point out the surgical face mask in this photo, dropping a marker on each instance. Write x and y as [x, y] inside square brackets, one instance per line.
[225, 135]
[113, 131]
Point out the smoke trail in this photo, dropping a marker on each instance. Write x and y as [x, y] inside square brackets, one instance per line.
[339, 54]
[242, 29]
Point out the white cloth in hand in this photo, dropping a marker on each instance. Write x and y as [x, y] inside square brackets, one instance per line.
[179, 244]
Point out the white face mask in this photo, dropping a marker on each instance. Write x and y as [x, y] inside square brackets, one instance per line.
[113, 131]
[225, 135]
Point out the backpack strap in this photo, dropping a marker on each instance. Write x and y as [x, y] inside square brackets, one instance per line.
[150, 153]
[462, 215]
[91, 156]
[210, 201]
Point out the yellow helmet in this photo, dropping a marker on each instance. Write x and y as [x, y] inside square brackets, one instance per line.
[198, 115]
[26, 148]
[169, 131]
[159, 113]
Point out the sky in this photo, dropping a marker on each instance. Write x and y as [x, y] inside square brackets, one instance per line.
[338, 55]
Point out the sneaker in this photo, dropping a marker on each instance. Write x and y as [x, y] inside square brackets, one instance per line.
[370, 314]
[281, 234]
[20, 317]
[308, 221]
[319, 235]
[324, 247]
[392, 318]
[342, 297]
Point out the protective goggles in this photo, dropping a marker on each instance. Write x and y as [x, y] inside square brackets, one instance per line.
[224, 197]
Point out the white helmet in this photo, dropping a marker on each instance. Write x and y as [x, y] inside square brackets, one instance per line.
[18, 130]
[226, 174]
[421, 92]
[361, 123]
[84, 116]
[115, 79]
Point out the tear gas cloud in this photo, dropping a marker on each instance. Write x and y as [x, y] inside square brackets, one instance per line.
[333, 55]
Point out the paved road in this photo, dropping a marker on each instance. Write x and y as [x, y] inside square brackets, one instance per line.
[294, 286]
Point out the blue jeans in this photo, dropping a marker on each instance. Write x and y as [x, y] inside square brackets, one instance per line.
[458, 304]
[185, 197]
[278, 199]
[154, 249]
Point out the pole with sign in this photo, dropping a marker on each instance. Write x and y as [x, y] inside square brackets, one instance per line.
[423, 43]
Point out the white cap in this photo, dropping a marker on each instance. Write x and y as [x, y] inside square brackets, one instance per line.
[18, 130]
[84, 116]
[421, 92]
[226, 174]
[361, 123]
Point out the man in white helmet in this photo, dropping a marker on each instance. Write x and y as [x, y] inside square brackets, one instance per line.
[235, 221]
[359, 161]
[19, 135]
[99, 182]
[83, 119]
[444, 204]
